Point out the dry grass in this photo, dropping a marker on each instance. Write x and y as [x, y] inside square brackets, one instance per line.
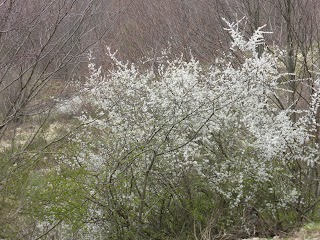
[310, 231]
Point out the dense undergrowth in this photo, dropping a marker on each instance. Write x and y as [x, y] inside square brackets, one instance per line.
[186, 152]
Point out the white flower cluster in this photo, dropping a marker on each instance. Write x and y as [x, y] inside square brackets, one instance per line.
[218, 122]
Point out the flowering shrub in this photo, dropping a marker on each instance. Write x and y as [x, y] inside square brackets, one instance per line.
[197, 151]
